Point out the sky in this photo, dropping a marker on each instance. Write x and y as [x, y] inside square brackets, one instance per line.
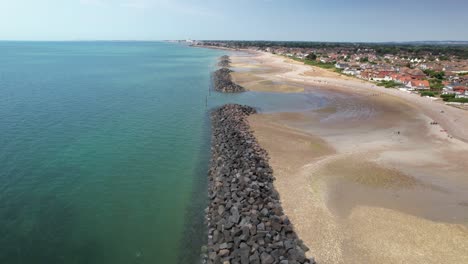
[305, 20]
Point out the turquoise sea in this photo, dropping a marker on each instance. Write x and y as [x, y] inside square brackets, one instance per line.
[104, 148]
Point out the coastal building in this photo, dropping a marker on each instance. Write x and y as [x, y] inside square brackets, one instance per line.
[400, 78]
[341, 66]
[351, 71]
[325, 59]
[461, 91]
[382, 76]
[449, 88]
[418, 84]
[415, 74]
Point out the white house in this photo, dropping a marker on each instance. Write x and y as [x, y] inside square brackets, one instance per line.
[418, 84]
[352, 72]
[341, 66]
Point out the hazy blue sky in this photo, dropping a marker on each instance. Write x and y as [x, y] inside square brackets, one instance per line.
[321, 20]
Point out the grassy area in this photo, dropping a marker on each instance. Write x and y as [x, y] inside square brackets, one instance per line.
[447, 97]
[320, 64]
[389, 84]
[328, 66]
[339, 70]
[451, 98]
[459, 100]
[429, 93]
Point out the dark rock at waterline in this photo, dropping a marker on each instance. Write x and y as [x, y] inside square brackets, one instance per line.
[223, 82]
[246, 223]
[224, 61]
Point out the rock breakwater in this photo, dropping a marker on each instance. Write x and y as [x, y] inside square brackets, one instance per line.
[246, 223]
[223, 80]
[224, 61]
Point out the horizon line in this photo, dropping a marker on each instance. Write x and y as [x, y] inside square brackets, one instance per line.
[221, 40]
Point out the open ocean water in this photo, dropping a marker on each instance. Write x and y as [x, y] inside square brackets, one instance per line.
[104, 148]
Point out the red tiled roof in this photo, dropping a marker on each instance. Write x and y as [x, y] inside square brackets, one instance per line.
[420, 83]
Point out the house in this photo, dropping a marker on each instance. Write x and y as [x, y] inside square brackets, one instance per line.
[448, 89]
[461, 91]
[300, 55]
[423, 67]
[381, 76]
[415, 74]
[366, 74]
[399, 78]
[418, 84]
[341, 66]
[325, 60]
[351, 71]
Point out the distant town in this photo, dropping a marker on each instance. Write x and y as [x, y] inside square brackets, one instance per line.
[437, 70]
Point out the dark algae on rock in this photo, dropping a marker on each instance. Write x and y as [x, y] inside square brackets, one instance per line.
[223, 80]
[246, 223]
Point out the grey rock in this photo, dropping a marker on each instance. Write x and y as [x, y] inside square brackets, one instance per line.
[245, 221]
[266, 258]
[223, 252]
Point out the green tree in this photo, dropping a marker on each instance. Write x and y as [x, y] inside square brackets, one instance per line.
[440, 75]
[311, 57]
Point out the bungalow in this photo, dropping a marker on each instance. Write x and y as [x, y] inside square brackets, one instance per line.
[325, 60]
[380, 76]
[396, 77]
[400, 78]
[448, 89]
[461, 91]
[341, 66]
[300, 55]
[383, 76]
[351, 71]
[415, 74]
[452, 85]
[418, 84]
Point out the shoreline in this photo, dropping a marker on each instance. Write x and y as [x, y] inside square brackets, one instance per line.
[285, 70]
[343, 172]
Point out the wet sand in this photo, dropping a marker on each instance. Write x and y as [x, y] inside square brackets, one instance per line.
[365, 179]
[288, 75]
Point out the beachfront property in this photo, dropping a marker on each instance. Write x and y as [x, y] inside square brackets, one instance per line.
[418, 84]
[342, 66]
[351, 71]
[430, 71]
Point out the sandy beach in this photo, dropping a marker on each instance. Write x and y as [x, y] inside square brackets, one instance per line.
[366, 179]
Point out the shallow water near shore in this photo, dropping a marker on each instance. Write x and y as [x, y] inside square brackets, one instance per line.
[104, 149]
[267, 102]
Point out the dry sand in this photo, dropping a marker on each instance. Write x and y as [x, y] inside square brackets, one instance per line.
[356, 190]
